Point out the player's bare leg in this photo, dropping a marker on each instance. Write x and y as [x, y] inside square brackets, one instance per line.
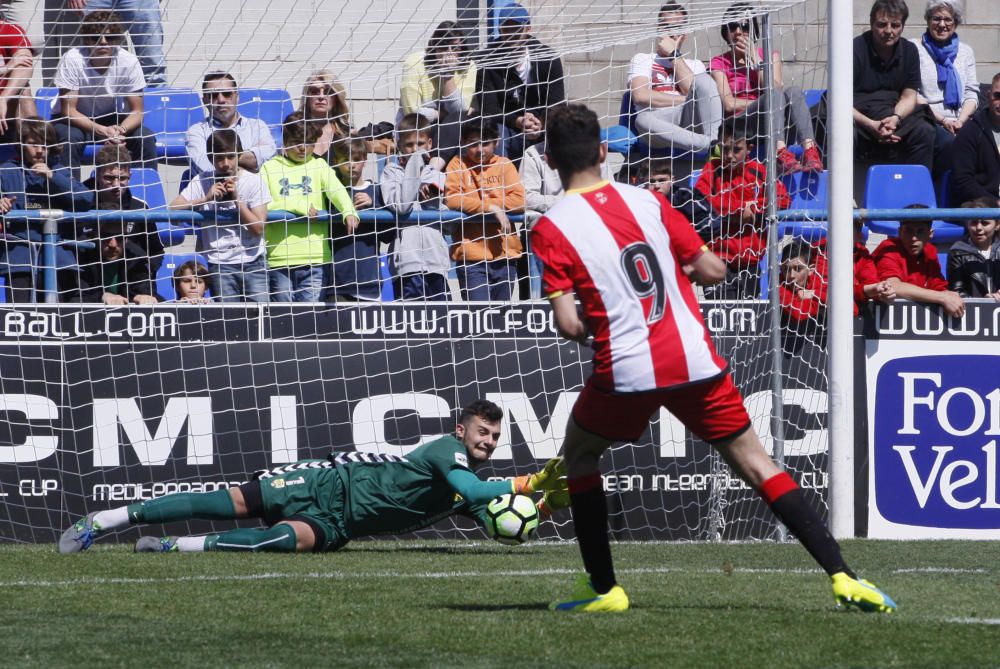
[746, 456]
[598, 591]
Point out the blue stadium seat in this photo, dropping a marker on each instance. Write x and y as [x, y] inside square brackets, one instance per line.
[3, 290]
[619, 139]
[185, 180]
[169, 112]
[898, 186]
[813, 96]
[808, 190]
[388, 292]
[45, 100]
[944, 191]
[165, 275]
[270, 105]
[693, 178]
[765, 275]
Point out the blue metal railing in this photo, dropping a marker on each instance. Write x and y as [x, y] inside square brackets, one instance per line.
[186, 220]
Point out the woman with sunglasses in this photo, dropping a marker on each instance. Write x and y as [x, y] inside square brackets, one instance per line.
[324, 101]
[100, 93]
[948, 81]
[439, 83]
[737, 74]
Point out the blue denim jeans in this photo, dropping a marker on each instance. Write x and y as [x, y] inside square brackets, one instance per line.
[246, 282]
[142, 21]
[431, 287]
[305, 283]
[490, 280]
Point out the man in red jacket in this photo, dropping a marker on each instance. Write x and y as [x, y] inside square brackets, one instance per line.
[909, 264]
[735, 186]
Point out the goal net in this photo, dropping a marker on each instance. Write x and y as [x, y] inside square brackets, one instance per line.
[104, 405]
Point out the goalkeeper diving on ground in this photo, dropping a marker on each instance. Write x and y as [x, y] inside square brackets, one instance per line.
[320, 505]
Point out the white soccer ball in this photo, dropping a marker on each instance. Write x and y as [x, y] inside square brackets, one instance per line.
[512, 519]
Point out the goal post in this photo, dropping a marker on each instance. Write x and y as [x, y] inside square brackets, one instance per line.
[102, 406]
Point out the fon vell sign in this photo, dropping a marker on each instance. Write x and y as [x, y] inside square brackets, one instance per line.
[934, 447]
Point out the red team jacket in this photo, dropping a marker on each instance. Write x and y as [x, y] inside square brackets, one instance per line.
[729, 194]
[799, 309]
[924, 271]
[620, 249]
[864, 271]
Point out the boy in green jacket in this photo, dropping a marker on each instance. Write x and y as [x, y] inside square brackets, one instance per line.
[298, 250]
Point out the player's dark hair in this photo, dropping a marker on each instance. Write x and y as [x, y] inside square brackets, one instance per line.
[573, 139]
[740, 14]
[737, 130]
[295, 130]
[223, 142]
[447, 34]
[484, 409]
[798, 248]
[481, 128]
[984, 202]
[414, 123]
[658, 166]
[672, 7]
[102, 22]
[190, 268]
[914, 221]
[33, 130]
[216, 76]
[889, 8]
[113, 154]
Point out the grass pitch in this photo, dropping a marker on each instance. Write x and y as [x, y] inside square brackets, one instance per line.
[449, 604]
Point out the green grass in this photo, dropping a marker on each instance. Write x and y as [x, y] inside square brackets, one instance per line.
[443, 604]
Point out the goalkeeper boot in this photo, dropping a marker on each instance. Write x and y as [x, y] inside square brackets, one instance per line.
[156, 545]
[864, 595]
[585, 598]
[80, 535]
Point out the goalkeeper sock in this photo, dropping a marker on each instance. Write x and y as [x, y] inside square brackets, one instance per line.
[590, 520]
[789, 504]
[216, 505]
[277, 539]
[112, 518]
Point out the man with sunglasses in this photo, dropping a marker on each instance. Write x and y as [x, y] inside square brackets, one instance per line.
[220, 94]
[976, 157]
[100, 93]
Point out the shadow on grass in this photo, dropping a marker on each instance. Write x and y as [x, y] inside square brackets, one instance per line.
[485, 608]
[446, 550]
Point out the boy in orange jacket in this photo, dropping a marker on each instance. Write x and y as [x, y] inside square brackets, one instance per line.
[486, 188]
[736, 185]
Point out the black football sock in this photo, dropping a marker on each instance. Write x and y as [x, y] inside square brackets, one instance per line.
[590, 520]
[789, 504]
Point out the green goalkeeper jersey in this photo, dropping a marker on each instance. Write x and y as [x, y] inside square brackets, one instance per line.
[432, 482]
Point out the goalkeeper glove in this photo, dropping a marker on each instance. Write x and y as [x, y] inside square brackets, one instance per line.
[552, 501]
[547, 479]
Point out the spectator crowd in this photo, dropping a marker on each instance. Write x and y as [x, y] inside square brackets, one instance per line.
[469, 138]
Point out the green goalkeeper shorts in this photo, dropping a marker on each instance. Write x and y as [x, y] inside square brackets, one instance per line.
[313, 496]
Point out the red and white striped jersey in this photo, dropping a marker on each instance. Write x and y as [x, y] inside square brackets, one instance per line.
[620, 249]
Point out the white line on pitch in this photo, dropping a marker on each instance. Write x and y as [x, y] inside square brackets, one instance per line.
[973, 621]
[339, 575]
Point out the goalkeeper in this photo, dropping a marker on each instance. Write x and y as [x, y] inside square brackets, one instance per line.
[320, 505]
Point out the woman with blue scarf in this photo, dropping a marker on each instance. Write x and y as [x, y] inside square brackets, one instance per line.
[947, 75]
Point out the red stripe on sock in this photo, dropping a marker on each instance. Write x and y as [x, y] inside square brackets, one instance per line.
[585, 483]
[776, 486]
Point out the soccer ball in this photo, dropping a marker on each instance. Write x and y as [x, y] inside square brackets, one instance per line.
[512, 519]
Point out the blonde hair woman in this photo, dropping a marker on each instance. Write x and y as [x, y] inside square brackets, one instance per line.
[324, 100]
